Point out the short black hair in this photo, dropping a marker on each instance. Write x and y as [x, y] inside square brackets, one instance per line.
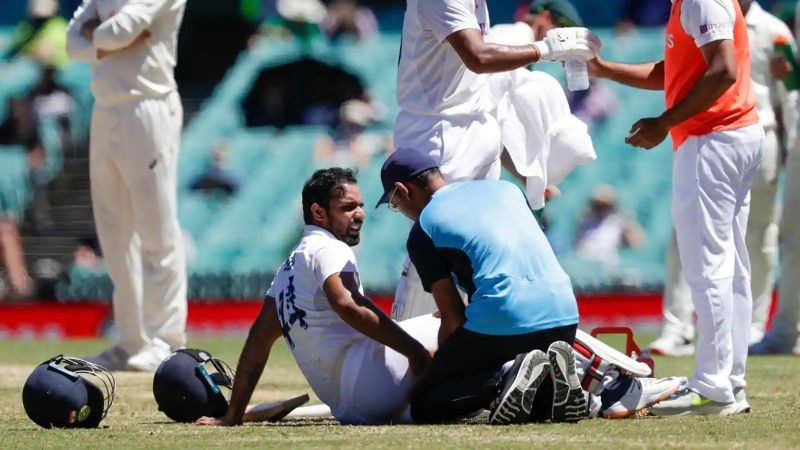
[324, 185]
[421, 179]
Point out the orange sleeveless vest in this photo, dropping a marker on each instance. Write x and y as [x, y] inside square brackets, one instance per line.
[684, 65]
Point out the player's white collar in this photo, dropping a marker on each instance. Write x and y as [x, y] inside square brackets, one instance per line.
[310, 230]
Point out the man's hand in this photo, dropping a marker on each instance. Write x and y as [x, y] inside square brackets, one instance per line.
[139, 39]
[647, 133]
[419, 362]
[565, 43]
[88, 27]
[216, 421]
[780, 67]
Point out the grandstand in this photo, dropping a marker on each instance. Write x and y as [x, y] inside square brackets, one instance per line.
[239, 240]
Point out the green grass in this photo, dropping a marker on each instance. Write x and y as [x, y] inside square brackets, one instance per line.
[134, 421]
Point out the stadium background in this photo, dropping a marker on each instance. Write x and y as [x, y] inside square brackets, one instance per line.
[270, 98]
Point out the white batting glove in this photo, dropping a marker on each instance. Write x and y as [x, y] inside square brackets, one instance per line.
[565, 43]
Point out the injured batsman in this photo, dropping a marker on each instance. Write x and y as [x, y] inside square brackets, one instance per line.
[363, 365]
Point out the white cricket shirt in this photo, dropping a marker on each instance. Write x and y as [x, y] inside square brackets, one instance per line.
[143, 71]
[432, 80]
[318, 338]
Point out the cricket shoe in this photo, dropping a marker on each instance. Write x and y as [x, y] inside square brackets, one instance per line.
[689, 402]
[113, 359]
[743, 406]
[569, 401]
[515, 401]
[149, 357]
[630, 395]
[672, 346]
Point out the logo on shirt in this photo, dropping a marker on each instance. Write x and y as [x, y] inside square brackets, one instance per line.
[715, 27]
[289, 313]
[670, 40]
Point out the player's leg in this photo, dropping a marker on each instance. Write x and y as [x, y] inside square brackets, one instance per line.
[784, 337]
[762, 234]
[707, 181]
[113, 218]
[677, 331]
[153, 133]
[471, 370]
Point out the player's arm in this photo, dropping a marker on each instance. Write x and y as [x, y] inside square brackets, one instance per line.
[483, 57]
[648, 75]
[451, 307]
[128, 26]
[720, 75]
[79, 48]
[263, 334]
[358, 311]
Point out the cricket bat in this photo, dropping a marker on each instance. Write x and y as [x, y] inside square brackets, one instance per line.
[273, 411]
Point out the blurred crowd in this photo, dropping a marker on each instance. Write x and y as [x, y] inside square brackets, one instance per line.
[327, 97]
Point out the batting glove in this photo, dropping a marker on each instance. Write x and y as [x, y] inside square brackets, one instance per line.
[565, 43]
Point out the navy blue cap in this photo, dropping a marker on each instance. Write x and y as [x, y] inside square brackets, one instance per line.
[403, 165]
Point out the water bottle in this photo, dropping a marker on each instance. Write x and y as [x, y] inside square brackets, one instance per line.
[577, 74]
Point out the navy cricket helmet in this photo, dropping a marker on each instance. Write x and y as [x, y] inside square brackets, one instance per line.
[189, 384]
[65, 392]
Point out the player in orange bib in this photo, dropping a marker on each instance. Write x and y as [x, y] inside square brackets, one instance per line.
[711, 116]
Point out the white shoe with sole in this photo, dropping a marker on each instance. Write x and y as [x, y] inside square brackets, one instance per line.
[150, 357]
[672, 346]
[743, 406]
[690, 402]
[631, 395]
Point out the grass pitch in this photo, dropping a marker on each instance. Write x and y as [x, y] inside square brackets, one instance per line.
[135, 422]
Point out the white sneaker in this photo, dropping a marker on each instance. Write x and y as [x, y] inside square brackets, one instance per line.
[515, 401]
[631, 395]
[743, 406]
[672, 346]
[149, 358]
[113, 359]
[690, 402]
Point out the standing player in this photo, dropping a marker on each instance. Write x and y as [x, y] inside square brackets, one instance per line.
[444, 96]
[711, 114]
[135, 138]
[784, 336]
[764, 30]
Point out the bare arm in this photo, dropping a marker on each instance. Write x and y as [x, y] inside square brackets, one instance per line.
[719, 77]
[450, 305]
[263, 334]
[362, 314]
[643, 76]
[482, 57]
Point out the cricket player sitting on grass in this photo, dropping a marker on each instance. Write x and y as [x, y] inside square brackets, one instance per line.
[358, 361]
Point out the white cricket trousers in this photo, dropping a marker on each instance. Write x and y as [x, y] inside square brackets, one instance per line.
[376, 379]
[785, 332]
[712, 175]
[133, 170]
[762, 245]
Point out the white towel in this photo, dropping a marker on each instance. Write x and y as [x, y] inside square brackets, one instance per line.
[544, 139]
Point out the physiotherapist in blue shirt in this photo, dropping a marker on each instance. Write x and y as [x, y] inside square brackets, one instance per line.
[483, 237]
